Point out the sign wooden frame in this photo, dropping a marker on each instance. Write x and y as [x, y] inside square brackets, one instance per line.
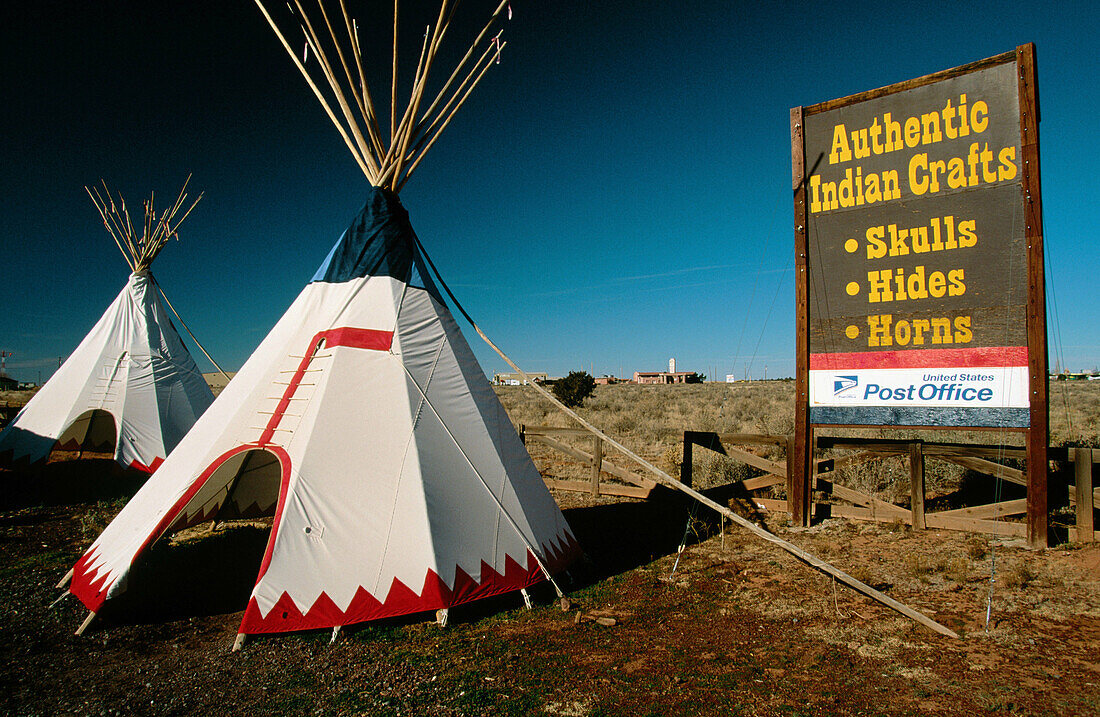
[1032, 419]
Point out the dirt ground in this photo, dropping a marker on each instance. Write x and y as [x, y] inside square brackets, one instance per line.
[738, 627]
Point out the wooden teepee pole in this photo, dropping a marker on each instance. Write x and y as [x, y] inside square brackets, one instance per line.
[386, 162]
[465, 58]
[326, 69]
[140, 252]
[408, 126]
[371, 116]
[421, 153]
[360, 160]
[87, 621]
[102, 209]
[393, 81]
[401, 142]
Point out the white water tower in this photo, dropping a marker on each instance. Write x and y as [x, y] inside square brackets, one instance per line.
[672, 365]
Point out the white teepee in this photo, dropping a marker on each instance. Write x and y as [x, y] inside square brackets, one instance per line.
[365, 426]
[130, 386]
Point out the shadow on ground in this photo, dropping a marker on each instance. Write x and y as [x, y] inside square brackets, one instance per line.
[214, 574]
[67, 480]
[976, 489]
[211, 575]
[620, 537]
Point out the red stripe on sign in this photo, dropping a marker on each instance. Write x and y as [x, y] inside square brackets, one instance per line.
[984, 357]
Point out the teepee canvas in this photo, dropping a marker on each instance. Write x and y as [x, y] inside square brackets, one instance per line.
[365, 426]
[130, 386]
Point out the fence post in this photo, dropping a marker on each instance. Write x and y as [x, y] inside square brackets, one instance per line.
[1082, 469]
[801, 480]
[916, 483]
[685, 465]
[597, 463]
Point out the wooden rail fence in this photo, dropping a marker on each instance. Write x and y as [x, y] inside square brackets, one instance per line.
[636, 486]
[987, 518]
[844, 502]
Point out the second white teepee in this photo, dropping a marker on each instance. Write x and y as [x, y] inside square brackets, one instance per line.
[130, 386]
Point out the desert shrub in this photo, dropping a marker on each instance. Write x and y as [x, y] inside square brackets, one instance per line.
[956, 568]
[727, 470]
[976, 548]
[862, 573]
[1017, 576]
[673, 458]
[918, 566]
[622, 424]
[574, 388]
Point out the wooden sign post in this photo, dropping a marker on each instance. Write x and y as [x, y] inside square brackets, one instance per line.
[919, 264]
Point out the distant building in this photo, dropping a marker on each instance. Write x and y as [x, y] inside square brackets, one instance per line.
[608, 380]
[516, 379]
[731, 378]
[1072, 376]
[659, 377]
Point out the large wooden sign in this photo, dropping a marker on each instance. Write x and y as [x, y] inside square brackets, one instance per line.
[919, 246]
[917, 261]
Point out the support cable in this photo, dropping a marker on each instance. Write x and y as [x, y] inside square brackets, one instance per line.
[1059, 344]
[683, 541]
[188, 330]
[771, 308]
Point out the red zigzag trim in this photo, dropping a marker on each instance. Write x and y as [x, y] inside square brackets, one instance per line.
[86, 585]
[285, 616]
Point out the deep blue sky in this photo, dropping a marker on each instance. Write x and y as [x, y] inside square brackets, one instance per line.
[617, 192]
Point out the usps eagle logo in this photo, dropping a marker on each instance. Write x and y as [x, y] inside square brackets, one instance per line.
[844, 386]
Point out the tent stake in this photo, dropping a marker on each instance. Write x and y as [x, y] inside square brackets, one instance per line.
[239, 642]
[441, 616]
[526, 597]
[335, 632]
[84, 625]
[65, 580]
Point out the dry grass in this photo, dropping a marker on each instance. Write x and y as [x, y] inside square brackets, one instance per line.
[657, 415]
[651, 420]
